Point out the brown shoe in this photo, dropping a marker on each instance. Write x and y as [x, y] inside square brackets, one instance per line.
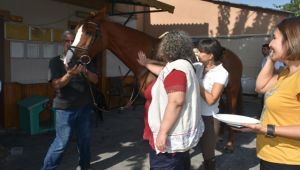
[228, 149]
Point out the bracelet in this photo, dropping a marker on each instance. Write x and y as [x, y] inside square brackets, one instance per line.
[270, 131]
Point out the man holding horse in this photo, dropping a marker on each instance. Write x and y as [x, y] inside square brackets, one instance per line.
[73, 106]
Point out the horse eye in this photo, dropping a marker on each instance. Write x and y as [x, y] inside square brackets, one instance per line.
[88, 33]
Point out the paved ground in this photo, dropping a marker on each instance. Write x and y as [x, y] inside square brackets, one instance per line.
[117, 145]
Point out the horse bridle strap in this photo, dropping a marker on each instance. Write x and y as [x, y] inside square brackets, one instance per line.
[95, 36]
[79, 48]
[83, 59]
[86, 59]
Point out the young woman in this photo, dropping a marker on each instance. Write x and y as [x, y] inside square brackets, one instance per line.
[278, 135]
[212, 83]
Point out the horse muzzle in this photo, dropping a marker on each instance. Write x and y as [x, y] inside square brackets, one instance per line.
[71, 60]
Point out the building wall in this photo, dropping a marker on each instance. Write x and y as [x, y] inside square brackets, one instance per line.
[29, 58]
[26, 61]
[44, 13]
[209, 19]
[241, 29]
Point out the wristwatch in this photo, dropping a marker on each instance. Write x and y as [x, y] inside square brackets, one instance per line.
[270, 131]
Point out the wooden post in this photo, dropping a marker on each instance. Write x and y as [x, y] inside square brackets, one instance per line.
[2, 72]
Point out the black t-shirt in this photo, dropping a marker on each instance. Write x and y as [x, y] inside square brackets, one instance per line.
[76, 93]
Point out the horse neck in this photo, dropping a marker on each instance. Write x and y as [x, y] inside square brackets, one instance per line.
[125, 43]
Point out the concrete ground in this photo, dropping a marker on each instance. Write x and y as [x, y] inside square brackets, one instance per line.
[117, 145]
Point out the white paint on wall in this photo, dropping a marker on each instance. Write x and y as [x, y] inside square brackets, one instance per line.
[31, 66]
[249, 51]
[29, 71]
[52, 14]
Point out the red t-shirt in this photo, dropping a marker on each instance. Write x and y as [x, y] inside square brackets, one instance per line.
[175, 81]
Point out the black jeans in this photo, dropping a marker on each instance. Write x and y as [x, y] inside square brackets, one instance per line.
[208, 139]
[264, 165]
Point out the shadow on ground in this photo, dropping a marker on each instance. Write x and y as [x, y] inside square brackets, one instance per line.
[117, 144]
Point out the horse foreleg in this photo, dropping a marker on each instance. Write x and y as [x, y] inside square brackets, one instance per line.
[233, 100]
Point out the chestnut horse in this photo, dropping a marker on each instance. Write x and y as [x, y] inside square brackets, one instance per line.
[96, 34]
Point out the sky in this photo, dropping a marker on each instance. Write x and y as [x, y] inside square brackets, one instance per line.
[261, 3]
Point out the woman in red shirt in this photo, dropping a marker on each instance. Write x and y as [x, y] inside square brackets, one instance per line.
[173, 124]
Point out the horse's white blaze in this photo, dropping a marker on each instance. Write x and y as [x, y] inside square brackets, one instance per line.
[69, 54]
[78, 36]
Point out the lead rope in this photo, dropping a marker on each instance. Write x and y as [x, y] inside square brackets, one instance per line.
[131, 99]
[126, 106]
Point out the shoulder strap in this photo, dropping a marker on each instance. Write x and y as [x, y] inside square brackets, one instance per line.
[191, 64]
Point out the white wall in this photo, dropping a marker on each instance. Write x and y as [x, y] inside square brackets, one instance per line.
[48, 14]
[30, 65]
[30, 59]
[44, 13]
[249, 51]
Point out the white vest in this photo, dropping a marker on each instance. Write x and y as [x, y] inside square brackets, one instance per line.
[189, 127]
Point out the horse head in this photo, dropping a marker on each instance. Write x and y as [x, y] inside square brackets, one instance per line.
[96, 33]
[88, 41]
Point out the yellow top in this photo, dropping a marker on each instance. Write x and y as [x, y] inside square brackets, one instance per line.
[281, 109]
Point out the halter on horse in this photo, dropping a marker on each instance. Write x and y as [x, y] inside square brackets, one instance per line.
[81, 50]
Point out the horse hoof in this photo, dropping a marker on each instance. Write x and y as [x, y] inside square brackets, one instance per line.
[228, 149]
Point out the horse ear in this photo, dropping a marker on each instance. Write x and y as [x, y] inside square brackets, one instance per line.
[99, 15]
[93, 13]
[102, 12]
[77, 27]
[163, 34]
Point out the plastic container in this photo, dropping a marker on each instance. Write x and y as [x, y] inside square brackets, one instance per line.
[30, 109]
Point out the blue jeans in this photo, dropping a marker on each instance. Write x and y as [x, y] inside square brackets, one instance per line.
[67, 122]
[169, 161]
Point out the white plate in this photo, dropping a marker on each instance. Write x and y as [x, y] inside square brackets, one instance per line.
[238, 120]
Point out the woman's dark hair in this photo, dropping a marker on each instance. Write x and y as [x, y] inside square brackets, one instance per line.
[211, 46]
[265, 45]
